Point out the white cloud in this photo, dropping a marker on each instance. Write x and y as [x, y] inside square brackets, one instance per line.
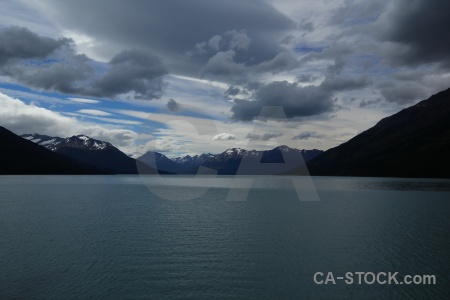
[30, 96]
[108, 120]
[162, 145]
[196, 125]
[94, 112]
[22, 118]
[83, 100]
[224, 137]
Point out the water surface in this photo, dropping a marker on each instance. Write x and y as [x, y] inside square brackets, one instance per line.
[110, 237]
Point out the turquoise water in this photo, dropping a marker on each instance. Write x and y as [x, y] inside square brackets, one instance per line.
[111, 237]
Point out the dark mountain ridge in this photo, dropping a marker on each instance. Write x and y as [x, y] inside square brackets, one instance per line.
[20, 157]
[414, 142]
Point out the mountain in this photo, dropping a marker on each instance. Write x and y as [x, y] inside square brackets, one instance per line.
[88, 151]
[105, 156]
[19, 156]
[414, 142]
[190, 164]
[48, 142]
[160, 161]
[227, 162]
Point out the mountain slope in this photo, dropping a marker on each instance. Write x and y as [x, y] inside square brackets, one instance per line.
[161, 162]
[414, 142]
[51, 143]
[89, 151]
[19, 156]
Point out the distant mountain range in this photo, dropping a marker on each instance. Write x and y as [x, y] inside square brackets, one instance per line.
[228, 162]
[414, 142]
[104, 156]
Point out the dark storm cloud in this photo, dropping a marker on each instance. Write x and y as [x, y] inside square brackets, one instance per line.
[232, 91]
[420, 28]
[131, 70]
[411, 34]
[42, 62]
[307, 135]
[365, 103]
[175, 28]
[297, 101]
[264, 137]
[62, 76]
[50, 64]
[345, 83]
[20, 43]
[172, 105]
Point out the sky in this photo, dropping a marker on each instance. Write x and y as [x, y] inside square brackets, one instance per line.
[190, 77]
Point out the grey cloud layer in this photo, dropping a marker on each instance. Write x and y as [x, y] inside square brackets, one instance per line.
[405, 32]
[20, 43]
[131, 70]
[51, 64]
[174, 28]
[263, 137]
[415, 36]
[421, 26]
[241, 43]
[384, 37]
[296, 100]
[307, 135]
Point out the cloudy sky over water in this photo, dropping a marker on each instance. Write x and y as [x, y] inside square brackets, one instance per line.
[193, 76]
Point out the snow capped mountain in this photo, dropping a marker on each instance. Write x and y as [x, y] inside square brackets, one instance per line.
[286, 149]
[77, 141]
[196, 159]
[235, 151]
[228, 162]
[84, 142]
[46, 141]
[88, 151]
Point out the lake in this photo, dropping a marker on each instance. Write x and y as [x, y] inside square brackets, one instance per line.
[179, 237]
